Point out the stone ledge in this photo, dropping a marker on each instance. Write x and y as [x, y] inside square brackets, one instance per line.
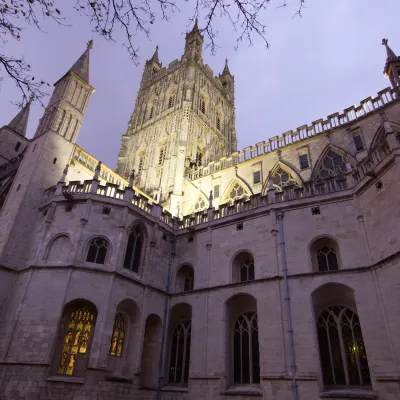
[243, 391]
[180, 389]
[118, 378]
[388, 378]
[287, 378]
[66, 379]
[348, 394]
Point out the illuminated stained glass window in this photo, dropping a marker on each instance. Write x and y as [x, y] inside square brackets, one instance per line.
[282, 178]
[118, 336]
[76, 341]
[341, 346]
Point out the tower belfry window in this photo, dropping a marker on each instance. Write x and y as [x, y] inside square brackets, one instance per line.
[199, 157]
[203, 104]
[151, 112]
[161, 157]
[171, 100]
[140, 165]
[218, 122]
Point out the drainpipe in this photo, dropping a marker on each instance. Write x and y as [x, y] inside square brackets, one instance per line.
[165, 319]
[287, 303]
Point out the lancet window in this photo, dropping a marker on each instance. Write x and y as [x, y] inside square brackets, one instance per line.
[203, 104]
[118, 335]
[180, 353]
[97, 251]
[327, 259]
[199, 157]
[246, 358]
[341, 346]
[247, 270]
[76, 340]
[171, 100]
[134, 249]
[161, 156]
[140, 165]
[151, 112]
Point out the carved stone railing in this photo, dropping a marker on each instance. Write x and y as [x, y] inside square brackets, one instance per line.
[367, 165]
[351, 114]
[11, 166]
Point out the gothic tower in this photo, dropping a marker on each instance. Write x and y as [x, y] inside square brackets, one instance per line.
[184, 117]
[44, 160]
[392, 66]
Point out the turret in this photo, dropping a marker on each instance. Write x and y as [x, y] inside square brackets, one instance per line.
[392, 65]
[151, 68]
[68, 103]
[194, 43]
[228, 82]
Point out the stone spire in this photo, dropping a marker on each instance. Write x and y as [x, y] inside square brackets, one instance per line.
[195, 26]
[155, 56]
[226, 68]
[81, 66]
[20, 121]
[392, 65]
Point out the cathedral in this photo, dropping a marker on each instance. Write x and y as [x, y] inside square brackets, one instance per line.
[196, 270]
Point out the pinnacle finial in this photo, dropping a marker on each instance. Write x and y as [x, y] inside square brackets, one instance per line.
[195, 26]
[390, 53]
[89, 44]
[155, 55]
[226, 68]
[384, 42]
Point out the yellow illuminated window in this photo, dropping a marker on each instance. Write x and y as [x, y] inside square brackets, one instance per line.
[118, 336]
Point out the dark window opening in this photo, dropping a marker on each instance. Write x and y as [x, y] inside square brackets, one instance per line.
[134, 249]
[304, 161]
[327, 259]
[358, 142]
[97, 251]
[216, 191]
[239, 226]
[256, 177]
[55, 160]
[247, 271]
[315, 211]
[180, 353]
[17, 146]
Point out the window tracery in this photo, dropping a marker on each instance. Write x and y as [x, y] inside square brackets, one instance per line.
[200, 204]
[327, 259]
[97, 251]
[76, 340]
[341, 346]
[180, 353]
[332, 166]
[282, 178]
[237, 192]
[118, 335]
[134, 249]
[246, 358]
[247, 270]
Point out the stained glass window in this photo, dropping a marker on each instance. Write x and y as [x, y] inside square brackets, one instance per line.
[341, 346]
[180, 353]
[246, 356]
[134, 249]
[118, 336]
[247, 271]
[76, 341]
[282, 178]
[97, 251]
[332, 166]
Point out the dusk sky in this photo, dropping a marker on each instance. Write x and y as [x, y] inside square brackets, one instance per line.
[322, 63]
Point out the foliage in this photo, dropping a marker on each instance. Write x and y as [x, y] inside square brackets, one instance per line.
[132, 16]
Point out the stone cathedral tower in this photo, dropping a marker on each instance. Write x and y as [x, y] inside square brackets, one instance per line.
[184, 117]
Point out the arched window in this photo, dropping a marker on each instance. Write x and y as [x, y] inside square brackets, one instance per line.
[140, 164]
[203, 104]
[332, 166]
[97, 251]
[325, 255]
[171, 100]
[341, 346]
[282, 178]
[185, 279]
[180, 353]
[237, 192]
[200, 204]
[76, 331]
[118, 335]
[151, 112]
[59, 249]
[246, 359]
[199, 157]
[243, 267]
[218, 120]
[134, 249]
[161, 156]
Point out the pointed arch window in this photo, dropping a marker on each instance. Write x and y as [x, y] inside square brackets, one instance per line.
[118, 335]
[199, 157]
[140, 164]
[161, 155]
[332, 166]
[282, 178]
[180, 353]
[134, 249]
[200, 204]
[246, 358]
[237, 192]
[97, 251]
[219, 121]
[151, 111]
[79, 323]
[341, 346]
[203, 104]
[171, 100]
[247, 270]
[327, 259]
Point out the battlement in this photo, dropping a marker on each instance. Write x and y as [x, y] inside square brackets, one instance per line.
[348, 116]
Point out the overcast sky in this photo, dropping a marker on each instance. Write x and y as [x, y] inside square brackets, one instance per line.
[326, 61]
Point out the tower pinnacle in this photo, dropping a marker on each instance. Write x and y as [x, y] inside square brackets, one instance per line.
[392, 65]
[155, 56]
[81, 66]
[226, 68]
